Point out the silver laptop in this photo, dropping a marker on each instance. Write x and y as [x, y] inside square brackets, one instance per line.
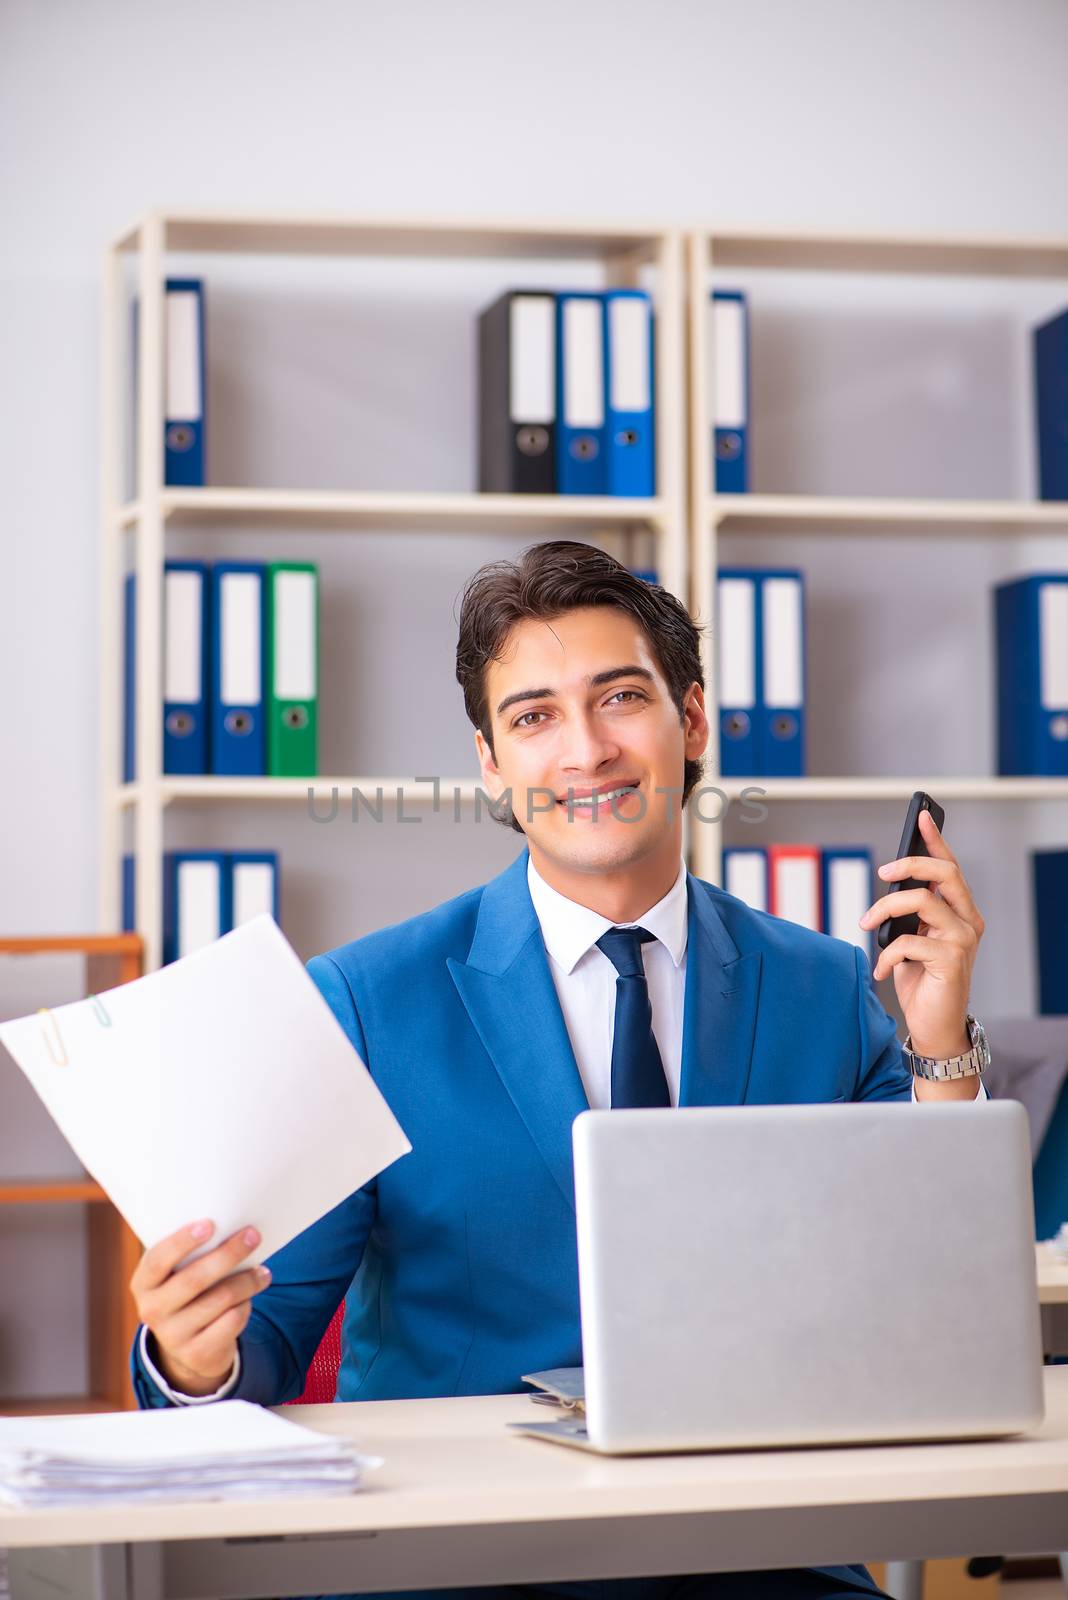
[796, 1275]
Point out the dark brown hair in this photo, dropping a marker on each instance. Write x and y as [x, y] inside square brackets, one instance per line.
[562, 575]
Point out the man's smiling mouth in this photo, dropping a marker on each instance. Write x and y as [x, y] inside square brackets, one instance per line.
[596, 799]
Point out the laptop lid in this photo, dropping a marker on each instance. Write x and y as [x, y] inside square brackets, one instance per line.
[775, 1275]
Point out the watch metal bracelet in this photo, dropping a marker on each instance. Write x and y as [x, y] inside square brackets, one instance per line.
[970, 1065]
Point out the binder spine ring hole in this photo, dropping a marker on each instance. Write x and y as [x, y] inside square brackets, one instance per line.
[1058, 728]
[736, 726]
[728, 446]
[179, 437]
[179, 724]
[294, 717]
[584, 448]
[532, 441]
[238, 722]
[783, 727]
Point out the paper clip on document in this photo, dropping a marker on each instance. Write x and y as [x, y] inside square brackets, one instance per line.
[60, 1058]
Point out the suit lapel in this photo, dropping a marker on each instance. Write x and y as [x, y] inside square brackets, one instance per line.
[720, 1008]
[508, 993]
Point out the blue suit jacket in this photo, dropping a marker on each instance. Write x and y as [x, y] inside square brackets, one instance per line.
[459, 1261]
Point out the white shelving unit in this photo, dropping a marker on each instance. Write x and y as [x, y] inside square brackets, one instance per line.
[492, 513]
[715, 251]
[417, 790]
[788, 513]
[949, 788]
[624, 254]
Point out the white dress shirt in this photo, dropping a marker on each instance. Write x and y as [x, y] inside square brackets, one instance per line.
[585, 983]
[175, 1395]
[585, 979]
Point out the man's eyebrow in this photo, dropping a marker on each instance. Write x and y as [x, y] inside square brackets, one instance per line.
[596, 682]
[620, 672]
[525, 694]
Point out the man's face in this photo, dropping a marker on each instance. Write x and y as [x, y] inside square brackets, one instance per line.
[579, 704]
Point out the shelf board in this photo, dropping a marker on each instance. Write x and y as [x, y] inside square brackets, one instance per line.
[90, 944]
[416, 793]
[55, 1405]
[385, 509]
[792, 513]
[945, 788]
[419, 795]
[50, 1191]
[982, 255]
[436, 238]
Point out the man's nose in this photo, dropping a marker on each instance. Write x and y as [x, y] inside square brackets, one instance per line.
[586, 747]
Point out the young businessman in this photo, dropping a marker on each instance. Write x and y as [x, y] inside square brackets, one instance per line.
[594, 971]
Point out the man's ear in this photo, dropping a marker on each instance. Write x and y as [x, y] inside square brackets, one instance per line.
[490, 775]
[695, 722]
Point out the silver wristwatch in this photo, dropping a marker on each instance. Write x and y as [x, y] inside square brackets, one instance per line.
[967, 1066]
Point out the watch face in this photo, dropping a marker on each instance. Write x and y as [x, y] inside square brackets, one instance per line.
[977, 1034]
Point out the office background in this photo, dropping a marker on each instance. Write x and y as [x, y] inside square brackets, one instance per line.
[941, 118]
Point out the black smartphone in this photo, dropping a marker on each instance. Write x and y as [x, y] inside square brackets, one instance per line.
[912, 844]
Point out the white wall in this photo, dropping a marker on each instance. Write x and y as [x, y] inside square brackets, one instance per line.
[835, 113]
[843, 114]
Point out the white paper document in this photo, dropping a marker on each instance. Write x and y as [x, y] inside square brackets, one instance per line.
[227, 1450]
[221, 1086]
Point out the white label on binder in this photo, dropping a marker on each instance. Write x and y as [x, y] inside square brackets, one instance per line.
[848, 892]
[294, 635]
[797, 893]
[737, 642]
[182, 636]
[198, 905]
[184, 402]
[1053, 645]
[583, 363]
[628, 333]
[532, 374]
[782, 642]
[253, 889]
[728, 403]
[747, 877]
[239, 631]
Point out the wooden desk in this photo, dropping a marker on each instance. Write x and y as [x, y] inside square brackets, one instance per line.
[460, 1500]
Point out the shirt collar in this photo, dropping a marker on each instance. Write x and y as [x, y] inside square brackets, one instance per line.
[570, 930]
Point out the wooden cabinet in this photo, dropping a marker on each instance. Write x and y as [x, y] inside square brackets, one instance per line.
[113, 1249]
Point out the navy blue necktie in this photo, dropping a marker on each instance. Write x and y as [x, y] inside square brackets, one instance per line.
[637, 1070]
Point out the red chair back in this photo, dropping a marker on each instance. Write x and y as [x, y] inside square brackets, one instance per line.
[320, 1385]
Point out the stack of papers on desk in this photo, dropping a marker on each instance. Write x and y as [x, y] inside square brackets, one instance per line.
[223, 1451]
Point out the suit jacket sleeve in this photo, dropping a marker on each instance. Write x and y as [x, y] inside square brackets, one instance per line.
[310, 1275]
[883, 1073]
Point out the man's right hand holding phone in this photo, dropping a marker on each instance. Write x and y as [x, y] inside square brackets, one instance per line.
[196, 1312]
